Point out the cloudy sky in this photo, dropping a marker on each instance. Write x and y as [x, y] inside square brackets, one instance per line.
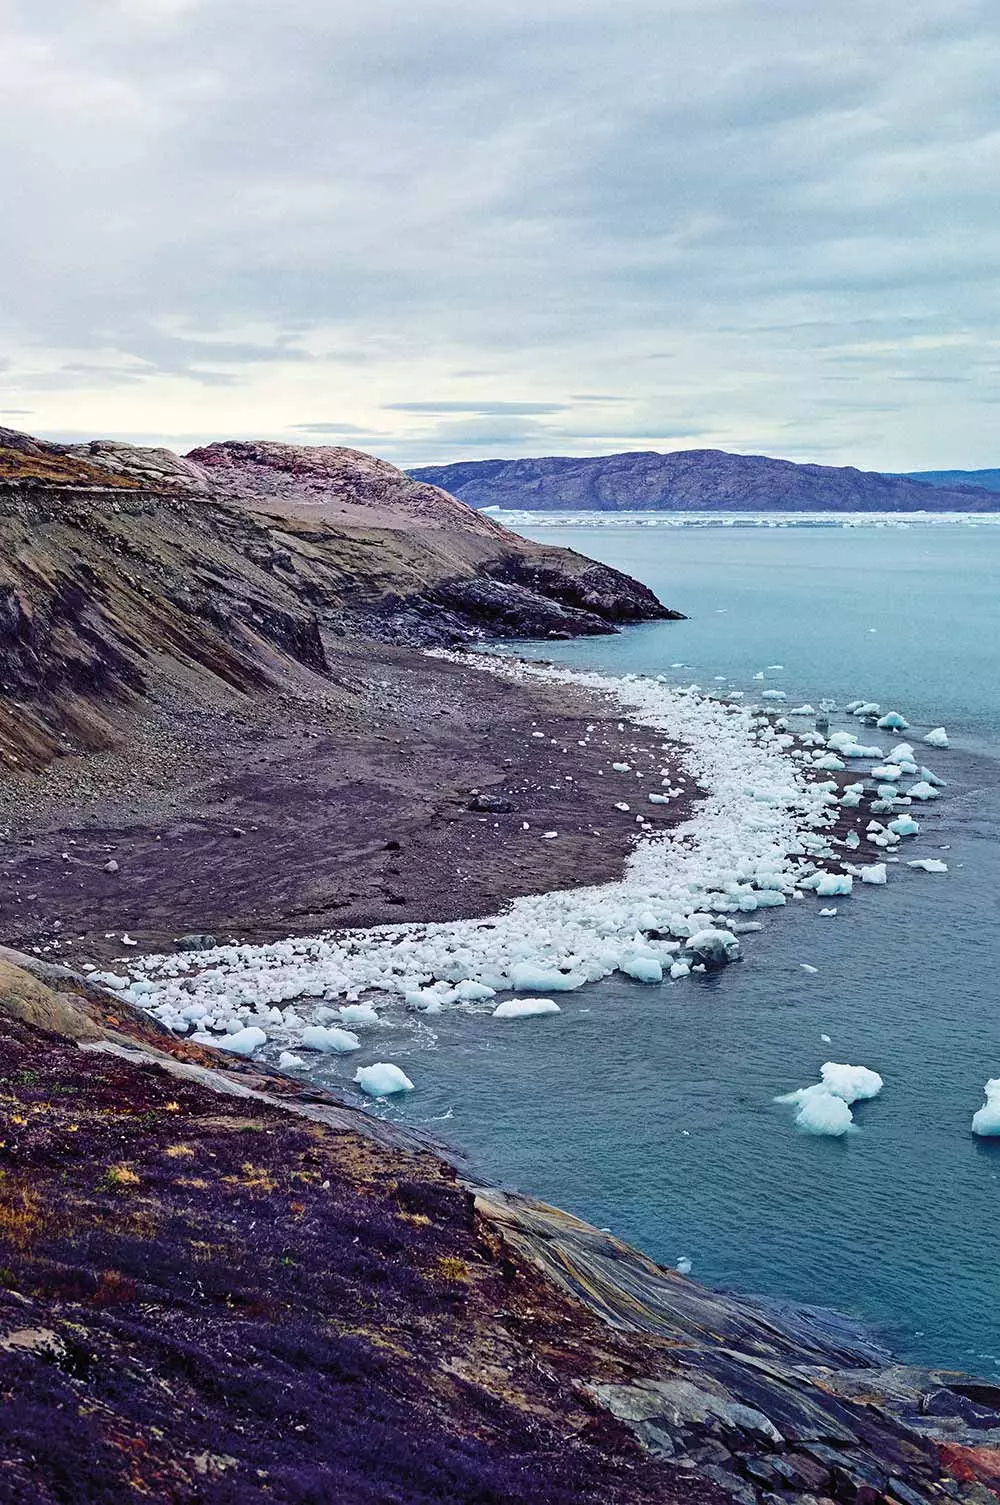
[443, 229]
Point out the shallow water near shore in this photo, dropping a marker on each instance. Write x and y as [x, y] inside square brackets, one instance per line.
[649, 1109]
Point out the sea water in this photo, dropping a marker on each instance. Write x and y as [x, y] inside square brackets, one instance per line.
[649, 1110]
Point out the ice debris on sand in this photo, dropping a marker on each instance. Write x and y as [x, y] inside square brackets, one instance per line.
[987, 1120]
[937, 738]
[825, 1107]
[382, 1079]
[759, 834]
[525, 1008]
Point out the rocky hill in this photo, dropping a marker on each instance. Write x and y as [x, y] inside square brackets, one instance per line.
[127, 572]
[692, 481]
[983, 480]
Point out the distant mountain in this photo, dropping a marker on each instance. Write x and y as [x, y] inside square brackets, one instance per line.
[986, 480]
[693, 480]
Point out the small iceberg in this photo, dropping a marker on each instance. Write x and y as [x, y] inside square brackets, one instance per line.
[525, 1008]
[986, 1122]
[937, 738]
[825, 1107]
[330, 1042]
[382, 1079]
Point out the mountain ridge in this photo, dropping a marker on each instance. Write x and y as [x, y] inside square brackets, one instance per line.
[692, 480]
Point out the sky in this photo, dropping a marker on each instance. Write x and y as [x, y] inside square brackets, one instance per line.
[459, 229]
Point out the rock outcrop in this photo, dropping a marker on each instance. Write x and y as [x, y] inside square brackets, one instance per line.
[218, 1284]
[127, 572]
[692, 480]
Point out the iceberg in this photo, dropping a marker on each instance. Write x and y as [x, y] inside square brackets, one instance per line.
[987, 1120]
[382, 1079]
[525, 1008]
[330, 1042]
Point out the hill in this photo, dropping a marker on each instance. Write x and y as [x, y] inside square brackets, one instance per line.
[986, 480]
[128, 573]
[692, 481]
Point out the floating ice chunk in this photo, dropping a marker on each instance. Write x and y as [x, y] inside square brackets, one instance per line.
[904, 825]
[867, 708]
[987, 1120]
[901, 753]
[932, 778]
[852, 1083]
[923, 791]
[807, 968]
[288, 1060]
[242, 1042]
[889, 772]
[357, 1013]
[929, 864]
[525, 1008]
[527, 977]
[474, 992]
[382, 1079]
[773, 695]
[937, 738]
[801, 710]
[331, 1042]
[861, 750]
[715, 946]
[892, 721]
[834, 883]
[643, 968]
[874, 873]
[683, 1265]
[825, 1039]
[828, 914]
[819, 1111]
[680, 969]
[423, 1000]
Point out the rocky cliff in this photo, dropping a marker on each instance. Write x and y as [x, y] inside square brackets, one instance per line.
[693, 480]
[126, 573]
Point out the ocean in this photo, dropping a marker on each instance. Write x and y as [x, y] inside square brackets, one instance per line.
[649, 1110]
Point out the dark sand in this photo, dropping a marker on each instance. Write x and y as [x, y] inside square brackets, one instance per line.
[304, 812]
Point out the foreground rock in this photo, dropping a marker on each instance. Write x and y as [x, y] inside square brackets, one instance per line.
[219, 1285]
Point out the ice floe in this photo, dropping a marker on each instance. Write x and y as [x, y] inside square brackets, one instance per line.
[382, 1079]
[525, 1008]
[987, 1120]
[825, 1107]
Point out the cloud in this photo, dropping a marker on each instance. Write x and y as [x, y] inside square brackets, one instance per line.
[486, 407]
[231, 213]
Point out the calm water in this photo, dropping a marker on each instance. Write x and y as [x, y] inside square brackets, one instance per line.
[649, 1110]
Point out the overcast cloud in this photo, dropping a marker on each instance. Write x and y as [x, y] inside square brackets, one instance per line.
[441, 229]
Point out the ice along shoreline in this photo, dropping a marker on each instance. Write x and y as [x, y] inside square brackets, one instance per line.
[769, 827]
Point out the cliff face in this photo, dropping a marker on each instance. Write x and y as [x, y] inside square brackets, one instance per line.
[693, 480]
[127, 572]
[221, 1285]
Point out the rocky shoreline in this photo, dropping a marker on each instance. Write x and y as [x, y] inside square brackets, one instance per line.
[220, 1285]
